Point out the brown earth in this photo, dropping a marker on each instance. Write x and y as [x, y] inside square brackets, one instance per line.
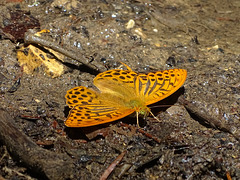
[198, 141]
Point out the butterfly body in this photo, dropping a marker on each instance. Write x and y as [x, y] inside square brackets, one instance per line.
[121, 92]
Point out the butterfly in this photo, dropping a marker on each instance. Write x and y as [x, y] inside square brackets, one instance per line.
[121, 92]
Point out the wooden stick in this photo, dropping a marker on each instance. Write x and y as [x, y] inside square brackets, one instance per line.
[112, 166]
[30, 38]
[206, 117]
[44, 163]
[143, 132]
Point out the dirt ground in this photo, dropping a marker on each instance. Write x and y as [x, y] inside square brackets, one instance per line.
[195, 140]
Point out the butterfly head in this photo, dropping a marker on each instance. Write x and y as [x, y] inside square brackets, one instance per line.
[139, 107]
[144, 112]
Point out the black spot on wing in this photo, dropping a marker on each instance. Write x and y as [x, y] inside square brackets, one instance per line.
[116, 73]
[75, 101]
[109, 75]
[122, 77]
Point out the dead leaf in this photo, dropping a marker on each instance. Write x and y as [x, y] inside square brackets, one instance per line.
[31, 57]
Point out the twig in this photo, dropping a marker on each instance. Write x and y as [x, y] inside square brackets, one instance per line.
[112, 166]
[11, 171]
[144, 133]
[228, 175]
[47, 164]
[204, 116]
[30, 38]
[2, 178]
[149, 135]
[5, 153]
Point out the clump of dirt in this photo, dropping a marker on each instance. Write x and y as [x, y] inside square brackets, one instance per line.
[198, 141]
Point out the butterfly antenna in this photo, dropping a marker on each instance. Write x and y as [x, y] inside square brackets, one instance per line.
[128, 68]
[137, 120]
[154, 116]
[163, 106]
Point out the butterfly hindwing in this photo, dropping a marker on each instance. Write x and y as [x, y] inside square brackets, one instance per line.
[90, 115]
[88, 109]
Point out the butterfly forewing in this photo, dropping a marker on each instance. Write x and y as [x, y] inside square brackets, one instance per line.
[162, 84]
[153, 86]
[122, 76]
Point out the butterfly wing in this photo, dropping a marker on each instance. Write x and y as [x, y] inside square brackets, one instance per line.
[151, 87]
[127, 77]
[89, 110]
[80, 96]
[159, 85]
[90, 115]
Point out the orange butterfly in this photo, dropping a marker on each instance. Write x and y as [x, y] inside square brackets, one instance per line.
[122, 93]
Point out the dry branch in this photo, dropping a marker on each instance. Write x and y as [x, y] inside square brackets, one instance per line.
[44, 163]
[207, 118]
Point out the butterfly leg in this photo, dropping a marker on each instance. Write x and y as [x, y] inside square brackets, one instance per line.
[137, 120]
[154, 116]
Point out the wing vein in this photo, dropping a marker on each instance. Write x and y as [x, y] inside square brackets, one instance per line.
[153, 87]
